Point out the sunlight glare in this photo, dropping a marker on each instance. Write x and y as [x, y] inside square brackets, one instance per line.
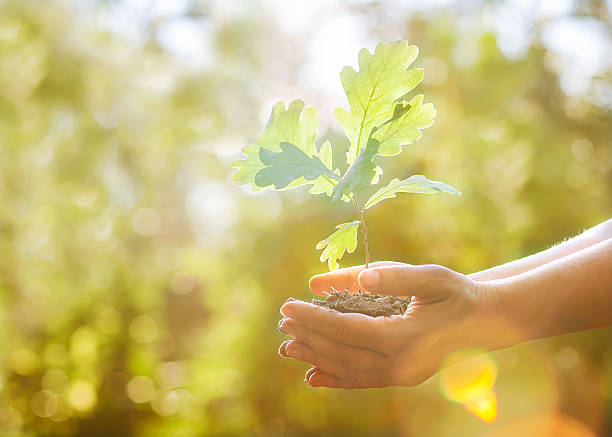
[468, 378]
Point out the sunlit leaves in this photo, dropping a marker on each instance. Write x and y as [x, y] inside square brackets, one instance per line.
[248, 168]
[376, 95]
[341, 241]
[324, 184]
[380, 121]
[296, 125]
[414, 184]
[360, 174]
[382, 78]
[406, 128]
[289, 164]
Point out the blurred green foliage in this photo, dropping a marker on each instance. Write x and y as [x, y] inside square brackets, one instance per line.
[139, 288]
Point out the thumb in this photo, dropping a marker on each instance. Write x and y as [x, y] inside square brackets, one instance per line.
[430, 283]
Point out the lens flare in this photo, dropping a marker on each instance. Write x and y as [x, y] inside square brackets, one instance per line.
[468, 378]
[484, 407]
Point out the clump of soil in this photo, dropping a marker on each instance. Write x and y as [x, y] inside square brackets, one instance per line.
[369, 304]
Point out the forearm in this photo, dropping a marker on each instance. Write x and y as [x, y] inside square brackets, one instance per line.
[588, 238]
[569, 294]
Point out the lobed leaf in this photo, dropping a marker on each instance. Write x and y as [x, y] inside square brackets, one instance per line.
[288, 165]
[361, 173]
[414, 184]
[405, 126]
[296, 124]
[382, 79]
[342, 240]
[324, 184]
[248, 168]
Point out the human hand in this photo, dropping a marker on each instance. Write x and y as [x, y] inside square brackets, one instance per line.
[449, 311]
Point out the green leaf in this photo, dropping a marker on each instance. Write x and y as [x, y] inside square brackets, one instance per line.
[400, 109]
[371, 92]
[361, 173]
[248, 168]
[289, 164]
[334, 246]
[325, 154]
[414, 184]
[296, 125]
[324, 184]
[405, 127]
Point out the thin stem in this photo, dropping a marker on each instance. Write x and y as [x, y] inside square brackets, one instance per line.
[364, 230]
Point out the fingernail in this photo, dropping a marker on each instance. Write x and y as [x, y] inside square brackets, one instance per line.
[289, 299]
[369, 278]
[309, 374]
[280, 325]
[312, 379]
[282, 350]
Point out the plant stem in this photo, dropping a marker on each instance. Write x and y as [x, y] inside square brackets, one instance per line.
[364, 230]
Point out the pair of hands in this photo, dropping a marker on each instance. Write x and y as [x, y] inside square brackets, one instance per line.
[448, 311]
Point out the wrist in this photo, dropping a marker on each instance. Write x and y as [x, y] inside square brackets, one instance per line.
[493, 301]
[500, 329]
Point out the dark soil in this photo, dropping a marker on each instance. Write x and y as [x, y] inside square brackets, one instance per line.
[365, 303]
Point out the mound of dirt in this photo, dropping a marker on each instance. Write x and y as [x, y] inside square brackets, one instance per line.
[369, 304]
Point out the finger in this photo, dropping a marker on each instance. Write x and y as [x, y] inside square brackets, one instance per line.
[430, 283]
[322, 379]
[349, 328]
[342, 279]
[302, 352]
[309, 373]
[282, 349]
[348, 358]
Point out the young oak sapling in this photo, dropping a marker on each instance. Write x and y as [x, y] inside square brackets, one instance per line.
[381, 120]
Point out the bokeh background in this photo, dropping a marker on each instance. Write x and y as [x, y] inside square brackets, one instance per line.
[140, 287]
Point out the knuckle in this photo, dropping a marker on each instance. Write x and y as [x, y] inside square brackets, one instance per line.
[440, 276]
[438, 271]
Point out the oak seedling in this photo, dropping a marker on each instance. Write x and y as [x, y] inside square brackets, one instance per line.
[382, 118]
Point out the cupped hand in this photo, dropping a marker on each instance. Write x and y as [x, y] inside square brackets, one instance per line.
[448, 311]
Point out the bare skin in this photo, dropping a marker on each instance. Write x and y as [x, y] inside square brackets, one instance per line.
[563, 289]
